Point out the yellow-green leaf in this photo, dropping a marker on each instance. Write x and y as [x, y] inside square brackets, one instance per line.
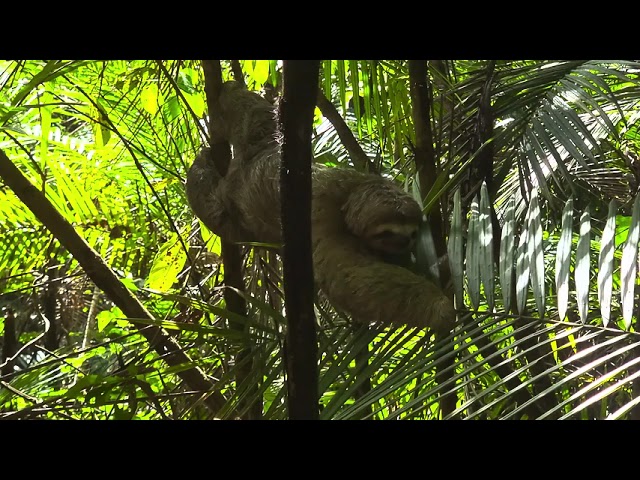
[261, 72]
[149, 98]
[167, 264]
[196, 102]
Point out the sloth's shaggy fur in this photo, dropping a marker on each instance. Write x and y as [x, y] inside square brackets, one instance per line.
[357, 219]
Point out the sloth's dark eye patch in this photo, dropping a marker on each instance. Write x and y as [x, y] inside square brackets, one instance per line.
[393, 241]
[387, 234]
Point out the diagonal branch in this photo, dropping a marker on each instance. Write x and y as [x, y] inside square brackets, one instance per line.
[104, 278]
[359, 158]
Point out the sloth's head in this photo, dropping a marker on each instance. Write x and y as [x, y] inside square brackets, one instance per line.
[383, 216]
[391, 238]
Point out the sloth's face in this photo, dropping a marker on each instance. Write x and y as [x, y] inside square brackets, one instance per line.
[392, 238]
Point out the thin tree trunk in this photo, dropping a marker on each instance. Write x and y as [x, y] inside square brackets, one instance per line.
[300, 90]
[231, 253]
[426, 165]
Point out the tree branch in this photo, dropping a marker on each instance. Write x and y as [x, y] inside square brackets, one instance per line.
[360, 159]
[104, 278]
[238, 75]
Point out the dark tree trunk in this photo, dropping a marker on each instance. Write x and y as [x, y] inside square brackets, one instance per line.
[425, 158]
[300, 90]
[426, 166]
[231, 253]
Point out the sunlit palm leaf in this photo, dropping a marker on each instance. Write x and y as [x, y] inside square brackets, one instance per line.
[473, 255]
[535, 254]
[605, 264]
[629, 265]
[455, 251]
[583, 265]
[486, 246]
[522, 268]
[507, 250]
[563, 259]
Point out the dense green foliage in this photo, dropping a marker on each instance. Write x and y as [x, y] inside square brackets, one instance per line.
[109, 144]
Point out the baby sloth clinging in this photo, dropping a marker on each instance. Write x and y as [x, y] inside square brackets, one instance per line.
[361, 223]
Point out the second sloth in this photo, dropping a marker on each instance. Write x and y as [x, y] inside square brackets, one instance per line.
[361, 223]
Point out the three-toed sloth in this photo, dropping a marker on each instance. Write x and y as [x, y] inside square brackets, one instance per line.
[361, 223]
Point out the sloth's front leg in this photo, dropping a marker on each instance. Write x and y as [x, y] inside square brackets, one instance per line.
[208, 198]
